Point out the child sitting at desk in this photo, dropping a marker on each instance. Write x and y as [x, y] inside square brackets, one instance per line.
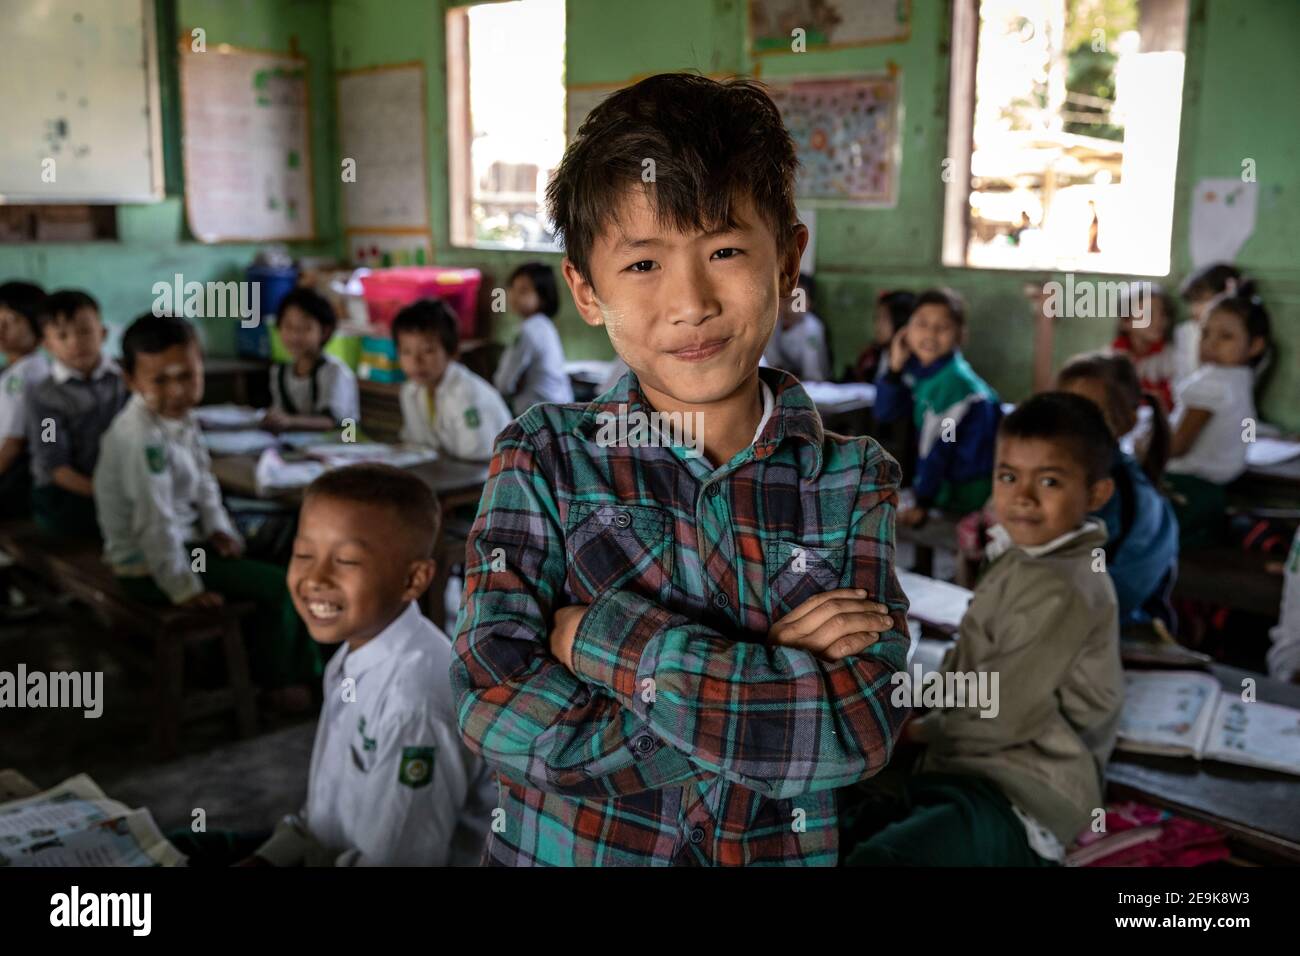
[1216, 407]
[1148, 340]
[1142, 542]
[444, 404]
[20, 338]
[532, 368]
[392, 783]
[167, 535]
[798, 342]
[68, 414]
[954, 410]
[892, 311]
[1012, 780]
[313, 391]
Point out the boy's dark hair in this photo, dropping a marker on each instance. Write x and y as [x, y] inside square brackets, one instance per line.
[150, 334]
[429, 317]
[1119, 376]
[314, 305]
[946, 298]
[542, 277]
[25, 298]
[712, 143]
[900, 304]
[384, 486]
[1211, 280]
[63, 305]
[1067, 418]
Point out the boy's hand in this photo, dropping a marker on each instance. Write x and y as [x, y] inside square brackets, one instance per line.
[899, 350]
[204, 599]
[833, 625]
[563, 631]
[227, 546]
[275, 420]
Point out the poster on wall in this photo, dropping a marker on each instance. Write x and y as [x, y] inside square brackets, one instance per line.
[826, 24]
[846, 135]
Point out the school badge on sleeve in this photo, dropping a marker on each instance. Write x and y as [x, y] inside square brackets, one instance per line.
[156, 457]
[471, 418]
[417, 767]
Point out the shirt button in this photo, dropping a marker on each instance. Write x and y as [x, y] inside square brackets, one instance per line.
[697, 836]
[644, 744]
[623, 519]
[715, 490]
[720, 600]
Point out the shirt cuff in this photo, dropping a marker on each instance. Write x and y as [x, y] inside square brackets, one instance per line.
[611, 639]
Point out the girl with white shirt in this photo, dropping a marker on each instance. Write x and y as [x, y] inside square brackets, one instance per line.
[1215, 407]
[532, 368]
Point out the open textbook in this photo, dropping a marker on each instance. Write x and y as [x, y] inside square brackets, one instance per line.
[1187, 713]
[937, 603]
[74, 824]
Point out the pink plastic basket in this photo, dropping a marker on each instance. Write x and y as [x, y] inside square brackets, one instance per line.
[387, 291]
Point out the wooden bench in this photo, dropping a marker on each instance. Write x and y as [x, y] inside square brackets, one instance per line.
[47, 568]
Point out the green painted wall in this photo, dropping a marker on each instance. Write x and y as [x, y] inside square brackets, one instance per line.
[1240, 63]
[153, 241]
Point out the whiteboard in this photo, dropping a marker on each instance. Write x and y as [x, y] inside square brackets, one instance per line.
[381, 128]
[79, 83]
[247, 145]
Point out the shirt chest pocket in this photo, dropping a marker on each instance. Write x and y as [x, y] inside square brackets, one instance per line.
[619, 546]
[796, 572]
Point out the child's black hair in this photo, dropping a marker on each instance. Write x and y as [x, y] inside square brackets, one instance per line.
[151, 334]
[1119, 376]
[1211, 280]
[385, 486]
[900, 304]
[63, 306]
[711, 145]
[542, 277]
[429, 317]
[25, 298]
[1244, 302]
[314, 306]
[947, 298]
[1069, 419]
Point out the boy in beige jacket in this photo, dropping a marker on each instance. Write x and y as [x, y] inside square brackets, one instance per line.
[1011, 782]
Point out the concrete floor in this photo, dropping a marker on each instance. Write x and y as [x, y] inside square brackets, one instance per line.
[241, 785]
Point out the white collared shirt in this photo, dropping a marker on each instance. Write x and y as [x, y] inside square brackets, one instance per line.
[392, 783]
[468, 415]
[801, 349]
[1000, 540]
[1226, 391]
[61, 373]
[155, 493]
[336, 391]
[532, 368]
[16, 381]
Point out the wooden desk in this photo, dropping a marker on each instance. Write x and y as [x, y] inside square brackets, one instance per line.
[452, 480]
[243, 381]
[1258, 807]
[1274, 482]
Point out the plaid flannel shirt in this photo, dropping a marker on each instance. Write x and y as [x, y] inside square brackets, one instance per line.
[685, 738]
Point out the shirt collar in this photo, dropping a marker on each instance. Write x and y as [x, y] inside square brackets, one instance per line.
[61, 373]
[1000, 540]
[788, 415]
[383, 645]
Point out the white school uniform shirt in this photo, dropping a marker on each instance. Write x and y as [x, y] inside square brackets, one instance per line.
[1218, 454]
[336, 389]
[1186, 350]
[468, 415]
[532, 368]
[16, 381]
[801, 349]
[1284, 655]
[392, 782]
[154, 495]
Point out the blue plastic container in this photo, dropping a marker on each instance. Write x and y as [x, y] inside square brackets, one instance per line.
[273, 285]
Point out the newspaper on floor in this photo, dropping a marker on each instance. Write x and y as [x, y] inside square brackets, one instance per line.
[75, 824]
